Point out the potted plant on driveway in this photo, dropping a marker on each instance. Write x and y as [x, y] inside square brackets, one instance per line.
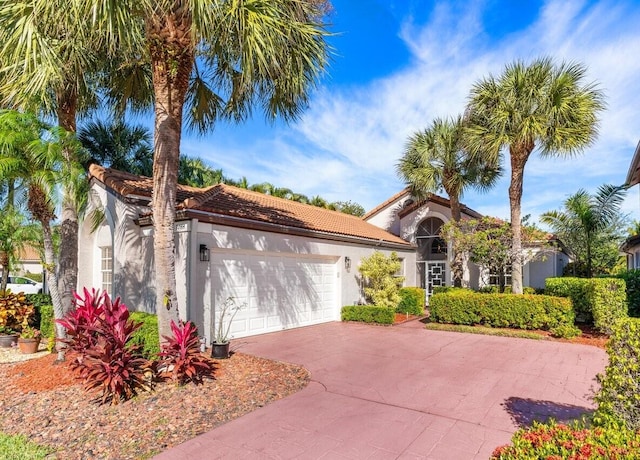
[228, 311]
[29, 340]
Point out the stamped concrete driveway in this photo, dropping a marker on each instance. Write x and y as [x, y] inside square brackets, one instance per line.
[403, 392]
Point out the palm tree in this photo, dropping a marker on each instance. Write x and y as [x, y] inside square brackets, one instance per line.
[540, 105]
[218, 59]
[34, 154]
[435, 159]
[51, 63]
[119, 146]
[584, 218]
[196, 173]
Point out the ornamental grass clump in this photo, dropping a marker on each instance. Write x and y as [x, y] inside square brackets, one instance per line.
[181, 359]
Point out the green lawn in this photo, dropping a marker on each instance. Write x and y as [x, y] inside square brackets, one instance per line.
[17, 447]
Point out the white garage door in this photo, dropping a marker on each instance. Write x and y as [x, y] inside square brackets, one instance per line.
[280, 292]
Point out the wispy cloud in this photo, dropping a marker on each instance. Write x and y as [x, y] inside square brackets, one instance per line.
[348, 142]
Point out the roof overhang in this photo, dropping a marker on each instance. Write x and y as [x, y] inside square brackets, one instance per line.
[633, 176]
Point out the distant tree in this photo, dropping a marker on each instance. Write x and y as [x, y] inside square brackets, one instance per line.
[436, 159]
[119, 145]
[196, 173]
[350, 207]
[540, 105]
[591, 224]
[16, 231]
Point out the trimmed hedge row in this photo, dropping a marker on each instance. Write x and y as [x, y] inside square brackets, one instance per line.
[632, 281]
[601, 301]
[412, 302]
[619, 396]
[502, 310]
[368, 314]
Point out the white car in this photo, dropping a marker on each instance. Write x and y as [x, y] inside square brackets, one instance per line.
[21, 284]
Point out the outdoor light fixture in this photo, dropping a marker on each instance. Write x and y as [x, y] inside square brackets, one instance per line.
[204, 253]
[347, 263]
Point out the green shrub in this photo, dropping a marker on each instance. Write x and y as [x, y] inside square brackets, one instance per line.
[507, 290]
[502, 310]
[632, 282]
[382, 286]
[413, 299]
[601, 301]
[47, 324]
[368, 314]
[565, 331]
[557, 441]
[619, 396]
[147, 336]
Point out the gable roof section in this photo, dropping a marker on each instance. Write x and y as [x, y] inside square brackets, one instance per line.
[386, 203]
[240, 207]
[416, 204]
[633, 176]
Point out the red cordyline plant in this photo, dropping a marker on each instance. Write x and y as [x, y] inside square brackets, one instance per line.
[100, 330]
[79, 321]
[180, 358]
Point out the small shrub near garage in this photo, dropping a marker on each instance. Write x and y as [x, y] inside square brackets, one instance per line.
[619, 396]
[368, 314]
[558, 441]
[602, 301]
[146, 337]
[413, 300]
[504, 310]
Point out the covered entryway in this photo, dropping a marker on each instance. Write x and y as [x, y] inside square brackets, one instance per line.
[280, 291]
[432, 264]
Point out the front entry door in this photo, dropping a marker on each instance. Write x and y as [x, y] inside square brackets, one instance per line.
[435, 275]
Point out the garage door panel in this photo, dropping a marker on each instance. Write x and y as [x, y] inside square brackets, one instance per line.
[280, 292]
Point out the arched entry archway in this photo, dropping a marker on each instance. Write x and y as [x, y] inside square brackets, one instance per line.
[432, 260]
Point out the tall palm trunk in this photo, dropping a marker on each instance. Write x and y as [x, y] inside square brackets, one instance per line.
[68, 258]
[172, 58]
[519, 156]
[40, 209]
[457, 270]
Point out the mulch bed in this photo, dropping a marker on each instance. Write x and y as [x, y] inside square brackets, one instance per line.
[42, 400]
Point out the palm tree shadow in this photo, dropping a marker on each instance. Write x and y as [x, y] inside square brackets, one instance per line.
[525, 411]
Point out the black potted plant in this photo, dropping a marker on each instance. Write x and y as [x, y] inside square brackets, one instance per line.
[228, 311]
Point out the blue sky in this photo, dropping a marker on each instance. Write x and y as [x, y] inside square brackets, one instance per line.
[399, 64]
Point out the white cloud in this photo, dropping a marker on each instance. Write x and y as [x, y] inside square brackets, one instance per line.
[349, 140]
[368, 126]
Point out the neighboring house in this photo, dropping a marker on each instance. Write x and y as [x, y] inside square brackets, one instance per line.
[292, 264]
[631, 247]
[419, 222]
[29, 262]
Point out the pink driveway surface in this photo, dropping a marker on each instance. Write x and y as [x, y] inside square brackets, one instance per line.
[403, 392]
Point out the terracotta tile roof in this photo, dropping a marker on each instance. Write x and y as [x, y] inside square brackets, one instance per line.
[29, 253]
[386, 203]
[234, 202]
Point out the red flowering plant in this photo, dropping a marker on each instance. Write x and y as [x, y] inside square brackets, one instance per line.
[100, 331]
[180, 357]
[553, 441]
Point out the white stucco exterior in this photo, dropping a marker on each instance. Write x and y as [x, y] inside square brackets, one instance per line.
[285, 280]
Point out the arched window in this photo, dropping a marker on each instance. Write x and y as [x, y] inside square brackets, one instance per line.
[431, 246]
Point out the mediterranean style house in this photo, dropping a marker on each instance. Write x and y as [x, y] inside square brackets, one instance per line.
[289, 264]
